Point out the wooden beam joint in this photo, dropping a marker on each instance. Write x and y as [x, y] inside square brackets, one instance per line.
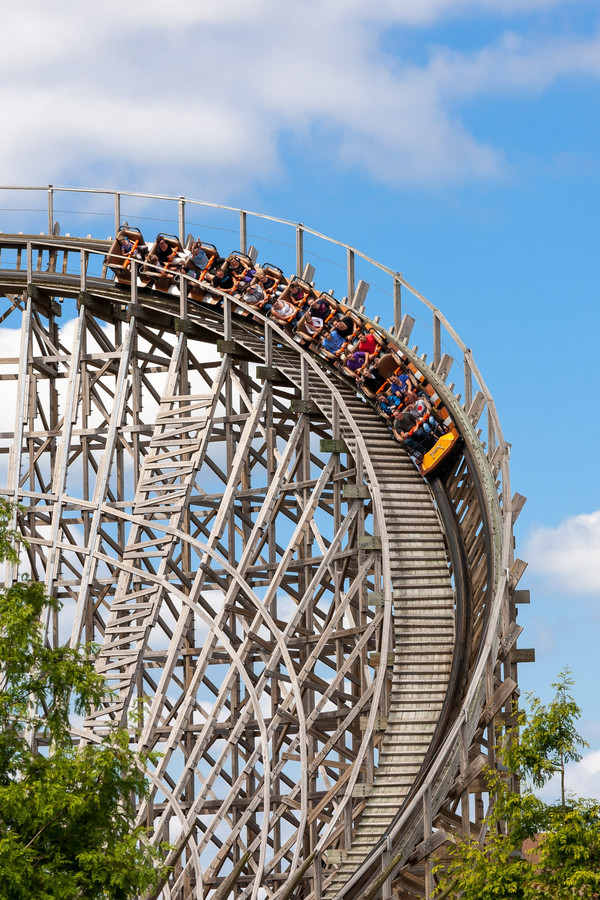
[369, 542]
[356, 492]
[333, 445]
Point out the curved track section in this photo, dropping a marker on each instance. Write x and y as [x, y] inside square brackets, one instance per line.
[320, 644]
[422, 637]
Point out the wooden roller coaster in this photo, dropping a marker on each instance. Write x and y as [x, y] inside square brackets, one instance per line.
[322, 643]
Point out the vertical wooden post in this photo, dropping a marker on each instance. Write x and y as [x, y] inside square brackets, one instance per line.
[23, 398]
[50, 209]
[268, 344]
[227, 318]
[299, 250]
[427, 831]
[243, 231]
[181, 211]
[358, 298]
[83, 270]
[350, 272]
[491, 434]
[491, 731]
[304, 385]
[397, 306]
[134, 284]
[464, 797]
[468, 380]
[117, 213]
[386, 856]
[183, 293]
[348, 826]
[318, 884]
[437, 340]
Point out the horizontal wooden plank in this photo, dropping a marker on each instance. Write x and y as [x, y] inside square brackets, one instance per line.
[522, 655]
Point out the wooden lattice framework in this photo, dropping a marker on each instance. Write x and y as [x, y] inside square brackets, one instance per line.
[322, 646]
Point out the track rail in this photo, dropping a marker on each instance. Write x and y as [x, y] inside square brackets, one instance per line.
[346, 783]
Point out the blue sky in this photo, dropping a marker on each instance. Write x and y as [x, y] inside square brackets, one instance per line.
[456, 141]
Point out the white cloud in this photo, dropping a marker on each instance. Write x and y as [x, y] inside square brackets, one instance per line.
[568, 554]
[143, 95]
[514, 64]
[425, 12]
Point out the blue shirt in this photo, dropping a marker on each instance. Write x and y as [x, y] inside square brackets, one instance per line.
[200, 259]
[334, 342]
[399, 388]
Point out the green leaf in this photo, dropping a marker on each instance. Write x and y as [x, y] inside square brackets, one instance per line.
[67, 816]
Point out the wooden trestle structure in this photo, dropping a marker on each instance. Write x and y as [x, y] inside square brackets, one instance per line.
[322, 644]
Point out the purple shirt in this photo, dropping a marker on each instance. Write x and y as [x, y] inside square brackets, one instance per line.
[356, 361]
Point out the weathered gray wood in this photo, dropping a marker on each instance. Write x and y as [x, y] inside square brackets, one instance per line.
[271, 502]
[522, 655]
[406, 327]
[443, 366]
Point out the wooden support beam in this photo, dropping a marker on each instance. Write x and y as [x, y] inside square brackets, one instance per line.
[356, 492]
[516, 572]
[406, 328]
[518, 502]
[305, 407]
[333, 445]
[509, 639]
[369, 542]
[308, 273]
[474, 769]
[335, 857]
[498, 700]
[361, 790]
[443, 367]
[271, 373]
[397, 294]
[234, 349]
[360, 294]
[522, 655]
[375, 658]
[380, 723]
[184, 326]
[476, 408]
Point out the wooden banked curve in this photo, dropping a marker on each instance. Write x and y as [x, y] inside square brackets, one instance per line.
[440, 608]
[424, 617]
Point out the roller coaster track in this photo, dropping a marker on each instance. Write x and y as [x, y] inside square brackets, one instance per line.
[323, 644]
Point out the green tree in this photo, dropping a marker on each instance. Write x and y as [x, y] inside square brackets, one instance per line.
[549, 739]
[66, 812]
[565, 859]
